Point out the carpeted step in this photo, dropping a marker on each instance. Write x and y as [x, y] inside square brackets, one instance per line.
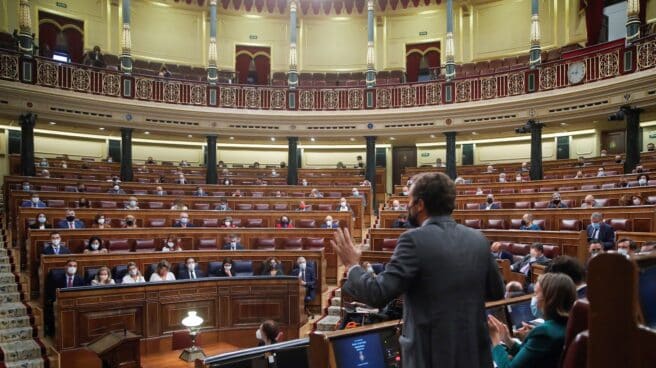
[13, 297]
[15, 322]
[12, 310]
[30, 363]
[9, 288]
[328, 323]
[7, 278]
[16, 334]
[334, 310]
[338, 292]
[335, 301]
[16, 351]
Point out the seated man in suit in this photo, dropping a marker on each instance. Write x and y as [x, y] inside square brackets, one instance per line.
[498, 253]
[199, 192]
[328, 223]
[41, 222]
[223, 205]
[34, 203]
[183, 221]
[55, 245]
[181, 179]
[116, 189]
[190, 271]
[234, 243]
[71, 222]
[59, 280]
[528, 224]
[601, 231]
[490, 204]
[556, 202]
[627, 247]
[401, 222]
[536, 255]
[307, 277]
[396, 206]
[159, 191]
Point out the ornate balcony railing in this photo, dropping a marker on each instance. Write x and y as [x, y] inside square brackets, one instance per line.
[599, 62]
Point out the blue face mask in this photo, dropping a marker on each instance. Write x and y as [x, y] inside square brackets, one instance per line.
[595, 225]
[534, 308]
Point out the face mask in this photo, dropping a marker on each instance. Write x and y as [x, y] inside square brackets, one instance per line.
[622, 251]
[490, 200]
[70, 218]
[258, 334]
[35, 199]
[227, 267]
[595, 225]
[343, 204]
[534, 308]
[56, 242]
[227, 182]
[329, 223]
[370, 269]
[502, 180]
[116, 188]
[129, 222]
[273, 264]
[134, 272]
[556, 200]
[184, 220]
[404, 193]
[356, 194]
[200, 191]
[595, 252]
[642, 182]
[133, 203]
[636, 202]
[41, 219]
[191, 266]
[519, 178]
[233, 243]
[101, 221]
[227, 223]
[81, 189]
[71, 270]
[95, 246]
[160, 192]
[26, 188]
[170, 244]
[64, 166]
[302, 265]
[284, 222]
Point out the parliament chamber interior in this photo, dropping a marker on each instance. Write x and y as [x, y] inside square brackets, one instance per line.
[178, 176]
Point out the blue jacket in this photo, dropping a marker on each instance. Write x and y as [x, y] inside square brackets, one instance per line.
[541, 348]
[530, 227]
[28, 203]
[63, 224]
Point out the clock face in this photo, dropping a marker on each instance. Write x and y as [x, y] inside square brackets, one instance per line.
[576, 72]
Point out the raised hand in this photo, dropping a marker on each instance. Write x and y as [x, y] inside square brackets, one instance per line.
[343, 246]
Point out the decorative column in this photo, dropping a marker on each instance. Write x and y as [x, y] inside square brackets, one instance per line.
[632, 116]
[27, 122]
[632, 21]
[212, 73]
[535, 57]
[450, 72]
[25, 39]
[292, 75]
[292, 161]
[451, 155]
[126, 154]
[536, 150]
[370, 169]
[126, 40]
[211, 160]
[371, 53]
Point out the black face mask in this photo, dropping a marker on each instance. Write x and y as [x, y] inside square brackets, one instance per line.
[490, 200]
[129, 222]
[556, 201]
[70, 218]
[412, 217]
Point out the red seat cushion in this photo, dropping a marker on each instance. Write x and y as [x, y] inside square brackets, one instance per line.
[473, 223]
[389, 244]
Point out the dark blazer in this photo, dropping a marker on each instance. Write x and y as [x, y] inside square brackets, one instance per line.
[606, 235]
[444, 306]
[36, 225]
[504, 255]
[310, 281]
[63, 224]
[559, 205]
[60, 281]
[50, 250]
[493, 206]
[31, 204]
[178, 224]
[334, 225]
[541, 260]
[196, 194]
[183, 273]
[238, 246]
[541, 348]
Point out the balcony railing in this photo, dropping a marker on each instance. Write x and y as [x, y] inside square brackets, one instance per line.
[599, 62]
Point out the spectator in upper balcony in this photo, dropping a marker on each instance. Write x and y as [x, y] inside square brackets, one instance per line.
[556, 202]
[601, 172]
[359, 162]
[490, 204]
[581, 162]
[150, 161]
[589, 202]
[502, 178]
[163, 72]
[439, 163]
[94, 58]
[490, 169]
[525, 167]
[603, 153]
[618, 159]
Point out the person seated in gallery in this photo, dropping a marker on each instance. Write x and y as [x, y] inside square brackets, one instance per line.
[272, 267]
[234, 243]
[41, 222]
[162, 272]
[103, 277]
[94, 58]
[95, 246]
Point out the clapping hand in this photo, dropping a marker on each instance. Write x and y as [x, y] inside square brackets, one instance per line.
[343, 246]
[498, 332]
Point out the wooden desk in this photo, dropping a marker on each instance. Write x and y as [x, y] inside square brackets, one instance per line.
[144, 260]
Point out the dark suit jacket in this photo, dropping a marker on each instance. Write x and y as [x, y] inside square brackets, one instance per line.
[59, 281]
[31, 204]
[494, 206]
[606, 235]
[178, 224]
[62, 249]
[36, 225]
[335, 225]
[63, 224]
[310, 281]
[445, 286]
[183, 273]
[238, 246]
[504, 255]
[541, 348]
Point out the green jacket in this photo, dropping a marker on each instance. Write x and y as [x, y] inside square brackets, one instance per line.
[541, 348]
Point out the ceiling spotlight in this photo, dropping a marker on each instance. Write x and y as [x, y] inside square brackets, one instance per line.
[474, 133]
[312, 139]
[563, 124]
[189, 136]
[352, 139]
[273, 139]
[101, 128]
[432, 135]
[232, 138]
[52, 123]
[146, 132]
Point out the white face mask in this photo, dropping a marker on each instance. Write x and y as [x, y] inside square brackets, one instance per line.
[56, 242]
[329, 223]
[41, 219]
[227, 182]
[71, 270]
[26, 188]
[134, 272]
[302, 265]
[35, 199]
[227, 267]
[519, 178]
[622, 251]
[258, 334]
[227, 223]
[343, 204]
[95, 246]
[636, 202]
[370, 269]
[642, 181]
[191, 266]
[233, 243]
[160, 192]
[101, 221]
[133, 203]
[184, 220]
[170, 244]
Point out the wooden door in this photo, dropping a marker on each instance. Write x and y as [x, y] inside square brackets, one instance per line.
[614, 141]
[402, 157]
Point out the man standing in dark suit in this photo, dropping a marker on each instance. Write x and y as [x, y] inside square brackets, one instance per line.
[444, 271]
[55, 246]
[190, 271]
[70, 222]
[601, 231]
[233, 243]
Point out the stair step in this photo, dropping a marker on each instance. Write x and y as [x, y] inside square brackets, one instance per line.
[20, 350]
[328, 323]
[28, 363]
[338, 292]
[15, 322]
[16, 334]
[12, 310]
[334, 310]
[335, 301]
[14, 297]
